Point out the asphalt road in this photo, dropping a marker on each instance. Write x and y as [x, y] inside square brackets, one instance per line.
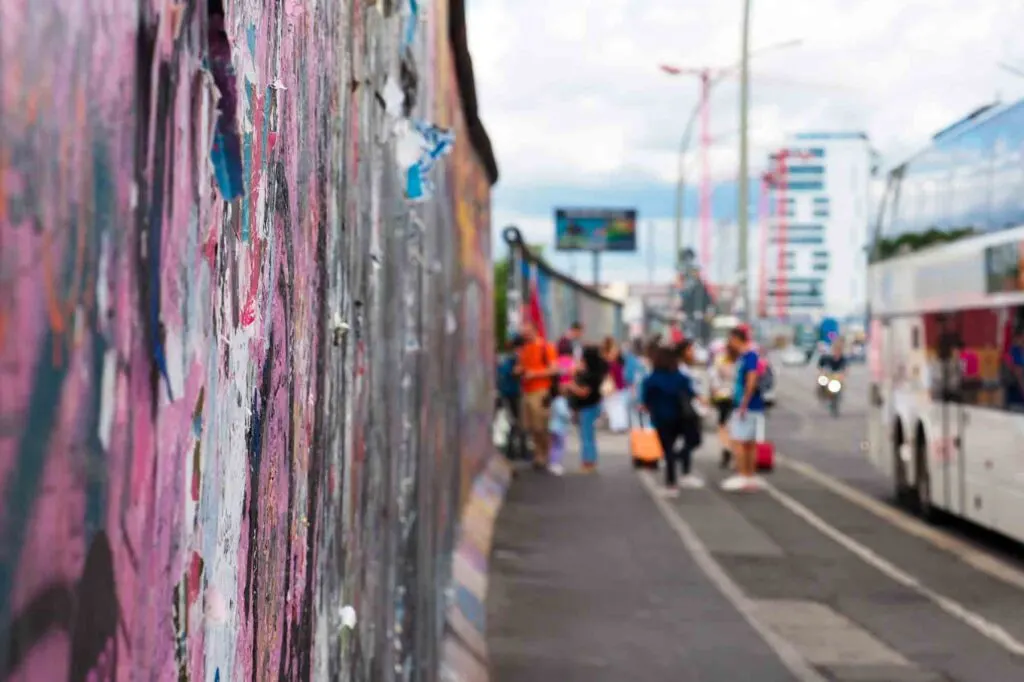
[804, 431]
[817, 578]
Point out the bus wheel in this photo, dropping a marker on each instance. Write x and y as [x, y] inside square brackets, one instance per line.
[901, 486]
[923, 484]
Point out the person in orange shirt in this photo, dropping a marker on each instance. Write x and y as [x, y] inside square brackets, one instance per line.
[537, 360]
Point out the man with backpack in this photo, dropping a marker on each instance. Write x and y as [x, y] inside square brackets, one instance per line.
[747, 421]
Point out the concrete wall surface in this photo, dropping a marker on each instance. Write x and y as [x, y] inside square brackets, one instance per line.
[246, 349]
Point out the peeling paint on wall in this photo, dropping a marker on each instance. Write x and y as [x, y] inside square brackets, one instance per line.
[230, 387]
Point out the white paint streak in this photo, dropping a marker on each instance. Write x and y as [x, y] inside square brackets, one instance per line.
[108, 396]
[223, 493]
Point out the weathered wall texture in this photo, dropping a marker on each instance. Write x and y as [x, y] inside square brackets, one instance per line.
[244, 382]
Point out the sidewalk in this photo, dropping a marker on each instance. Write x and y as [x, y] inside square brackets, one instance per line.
[591, 582]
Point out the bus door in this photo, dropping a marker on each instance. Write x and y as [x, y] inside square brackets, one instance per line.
[880, 417]
[982, 424]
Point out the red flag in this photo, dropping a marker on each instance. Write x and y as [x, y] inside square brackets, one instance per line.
[533, 311]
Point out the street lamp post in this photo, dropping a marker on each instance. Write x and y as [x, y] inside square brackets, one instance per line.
[708, 79]
[743, 200]
[684, 146]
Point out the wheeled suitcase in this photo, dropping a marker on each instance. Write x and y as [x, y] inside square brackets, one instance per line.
[765, 448]
[644, 446]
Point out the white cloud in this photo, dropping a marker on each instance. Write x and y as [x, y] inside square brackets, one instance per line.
[571, 91]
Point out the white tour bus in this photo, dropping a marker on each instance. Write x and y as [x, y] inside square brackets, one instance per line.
[946, 353]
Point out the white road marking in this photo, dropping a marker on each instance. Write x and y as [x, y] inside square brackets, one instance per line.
[825, 637]
[970, 555]
[787, 653]
[983, 626]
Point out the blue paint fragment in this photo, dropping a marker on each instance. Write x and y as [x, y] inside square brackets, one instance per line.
[250, 37]
[161, 364]
[226, 154]
[216, 675]
[227, 169]
[415, 189]
[434, 143]
[410, 23]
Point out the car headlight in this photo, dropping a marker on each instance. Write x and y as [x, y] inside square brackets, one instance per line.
[834, 386]
[823, 380]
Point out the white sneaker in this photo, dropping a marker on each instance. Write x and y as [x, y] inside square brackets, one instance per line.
[734, 483]
[556, 470]
[691, 481]
[670, 493]
[752, 483]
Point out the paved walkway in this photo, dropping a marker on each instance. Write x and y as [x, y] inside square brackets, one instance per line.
[593, 579]
[597, 578]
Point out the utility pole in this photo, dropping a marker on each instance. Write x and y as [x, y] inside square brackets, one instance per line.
[684, 144]
[743, 207]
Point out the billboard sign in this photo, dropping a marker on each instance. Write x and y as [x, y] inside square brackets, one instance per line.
[595, 229]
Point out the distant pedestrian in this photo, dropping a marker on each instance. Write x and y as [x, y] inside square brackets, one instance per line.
[537, 362]
[668, 396]
[747, 420]
[574, 337]
[723, 389]
[558, 427]
[636, 370]
[565, 362]
[616, 403]
[509, 385]
[585, 398]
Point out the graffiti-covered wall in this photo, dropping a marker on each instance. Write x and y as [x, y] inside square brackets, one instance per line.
[242, 268]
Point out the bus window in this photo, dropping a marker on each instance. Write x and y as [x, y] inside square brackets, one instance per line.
[978, 355]
[1011, 360]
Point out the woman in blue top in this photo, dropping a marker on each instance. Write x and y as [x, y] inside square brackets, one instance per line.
[663, 394]
[635, 372]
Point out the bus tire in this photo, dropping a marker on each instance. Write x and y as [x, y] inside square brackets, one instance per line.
[923, 480]
[902, 491]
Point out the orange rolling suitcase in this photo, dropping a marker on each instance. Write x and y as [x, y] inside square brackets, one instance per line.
[644, 446]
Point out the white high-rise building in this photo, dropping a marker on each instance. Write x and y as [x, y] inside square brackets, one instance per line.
[824, 195]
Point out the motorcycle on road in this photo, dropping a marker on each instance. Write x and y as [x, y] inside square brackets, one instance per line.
[830, 387]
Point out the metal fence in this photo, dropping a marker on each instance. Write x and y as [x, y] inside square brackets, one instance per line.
[246, 379]
[562, 299]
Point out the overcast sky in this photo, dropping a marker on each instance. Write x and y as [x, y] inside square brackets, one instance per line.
[579, 112]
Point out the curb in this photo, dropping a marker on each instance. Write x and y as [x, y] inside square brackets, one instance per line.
[464, 648]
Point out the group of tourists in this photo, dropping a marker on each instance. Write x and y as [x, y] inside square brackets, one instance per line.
[548, 387]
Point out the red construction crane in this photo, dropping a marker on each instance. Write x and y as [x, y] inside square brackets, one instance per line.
[779, 180]
[709, 77]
